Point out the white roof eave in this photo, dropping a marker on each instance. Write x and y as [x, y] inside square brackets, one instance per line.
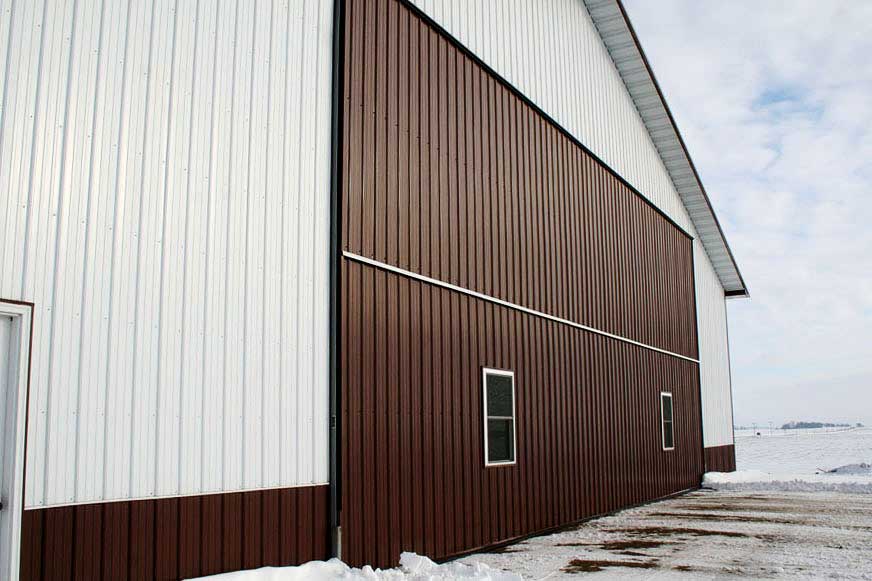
[620, 39]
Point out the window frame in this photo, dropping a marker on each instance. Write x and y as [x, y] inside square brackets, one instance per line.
[485, 372]
[663, 395]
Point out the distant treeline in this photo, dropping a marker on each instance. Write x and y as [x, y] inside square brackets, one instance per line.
[801, 425]
[807, 425]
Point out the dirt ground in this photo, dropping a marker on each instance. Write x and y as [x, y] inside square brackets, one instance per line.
[709, 535]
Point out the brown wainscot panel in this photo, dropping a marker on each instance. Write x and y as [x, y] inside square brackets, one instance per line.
[175, 538]
[720, 459]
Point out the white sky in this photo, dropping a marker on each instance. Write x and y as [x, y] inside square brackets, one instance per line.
[774, 100]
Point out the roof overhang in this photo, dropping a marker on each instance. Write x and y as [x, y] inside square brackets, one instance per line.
[620, 39]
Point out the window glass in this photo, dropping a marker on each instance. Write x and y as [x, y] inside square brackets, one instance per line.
[666, 420]
[499, 394]
[500, 438]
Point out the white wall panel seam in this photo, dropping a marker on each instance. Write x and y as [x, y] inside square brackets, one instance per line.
[41, 108]
[12, 31]
[86, 289]
[244, 436]
[137, 319]
[265, 246]
[107, 378]
[7, 209]
[163, 244]
[59, 221]
[185, 271]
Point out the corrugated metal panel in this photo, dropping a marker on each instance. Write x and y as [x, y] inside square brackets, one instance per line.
[714, 356]
[488, 196]
[588, 421]
[720, 459]
[510, 208]
[164, 169]
[529, 43]
[176, 538]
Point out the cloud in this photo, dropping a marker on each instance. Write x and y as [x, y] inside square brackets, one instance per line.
[775, 102]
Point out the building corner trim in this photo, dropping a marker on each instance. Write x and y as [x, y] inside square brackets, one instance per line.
[338, 92]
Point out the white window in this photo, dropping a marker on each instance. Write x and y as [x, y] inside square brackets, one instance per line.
[666, 421]
[499, 417]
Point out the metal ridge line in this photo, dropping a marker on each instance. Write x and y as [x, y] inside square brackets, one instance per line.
[529, 311]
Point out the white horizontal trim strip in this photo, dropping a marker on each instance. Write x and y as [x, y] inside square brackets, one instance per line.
[478, 295]
[185, 495]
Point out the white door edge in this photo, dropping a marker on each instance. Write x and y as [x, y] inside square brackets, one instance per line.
[19, 365]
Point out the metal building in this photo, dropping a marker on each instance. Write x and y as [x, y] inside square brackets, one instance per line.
[281, 280]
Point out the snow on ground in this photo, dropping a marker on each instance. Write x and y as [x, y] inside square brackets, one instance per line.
[412, 568]
[759, 480]
[800, 461]
[802, 451]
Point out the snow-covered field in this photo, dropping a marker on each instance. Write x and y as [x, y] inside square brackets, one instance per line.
[834, 460]
[782, 515]
[802, 451]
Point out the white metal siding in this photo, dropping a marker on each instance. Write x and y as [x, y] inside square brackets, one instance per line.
[551, 51]
[714, 355]
[164, 200]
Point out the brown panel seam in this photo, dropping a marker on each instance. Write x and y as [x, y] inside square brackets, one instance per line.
[447, 285]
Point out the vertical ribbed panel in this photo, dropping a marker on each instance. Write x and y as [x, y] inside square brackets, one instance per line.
[551, 51]
[176, 538]
[714, 356]
[449, 175]
[501, 202]
[164, 200]
[588, 421]
[720, 458]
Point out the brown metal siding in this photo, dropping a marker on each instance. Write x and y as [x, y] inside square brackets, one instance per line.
[720, 459]
[175, 538]
[449, 174]
[588, 421]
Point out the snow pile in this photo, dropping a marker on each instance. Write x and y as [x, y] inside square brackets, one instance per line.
[862, 469]
[836, 481]
[412, 568]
